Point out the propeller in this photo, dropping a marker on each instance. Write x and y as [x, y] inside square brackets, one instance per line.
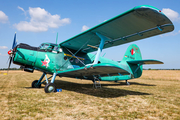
[11, 52]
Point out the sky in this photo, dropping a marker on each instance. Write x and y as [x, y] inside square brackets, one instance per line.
[38, 21]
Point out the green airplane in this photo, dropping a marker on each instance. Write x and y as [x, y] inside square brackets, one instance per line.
[73, 57]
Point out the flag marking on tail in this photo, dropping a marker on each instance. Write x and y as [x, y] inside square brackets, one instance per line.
[132, 51]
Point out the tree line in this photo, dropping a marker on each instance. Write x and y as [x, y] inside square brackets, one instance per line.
[10, 68]
[143, 69]
[160, 69]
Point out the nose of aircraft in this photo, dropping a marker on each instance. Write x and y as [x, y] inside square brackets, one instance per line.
[9, 52]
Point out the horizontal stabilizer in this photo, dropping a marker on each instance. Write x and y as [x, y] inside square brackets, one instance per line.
[150, 61]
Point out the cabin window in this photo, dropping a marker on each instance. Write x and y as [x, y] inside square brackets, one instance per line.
[65, 57]
[71, 59]
[56, 48]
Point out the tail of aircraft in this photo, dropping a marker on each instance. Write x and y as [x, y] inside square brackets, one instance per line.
[131, 57]
[131, 63]
[132, 53]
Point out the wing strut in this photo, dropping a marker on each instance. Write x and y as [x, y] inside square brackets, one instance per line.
[138, 67]
[103, 39]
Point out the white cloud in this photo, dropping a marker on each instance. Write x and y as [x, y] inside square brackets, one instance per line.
[3, 47]
[3, 17]
[84, 28]
[171, 14]
[3, 54]
[41, 20]
[22, 9]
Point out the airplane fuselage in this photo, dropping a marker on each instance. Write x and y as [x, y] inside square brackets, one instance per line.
[52, 59]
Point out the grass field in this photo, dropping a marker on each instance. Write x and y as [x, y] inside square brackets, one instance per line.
[156, 95]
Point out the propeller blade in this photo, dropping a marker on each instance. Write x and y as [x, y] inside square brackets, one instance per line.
[9, 63]
[14, 42]
[8, 59]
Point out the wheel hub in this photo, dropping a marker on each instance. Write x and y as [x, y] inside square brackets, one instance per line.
[50, 88]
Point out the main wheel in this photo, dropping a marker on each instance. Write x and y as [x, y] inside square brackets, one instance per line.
[50, 87]
[35, 85]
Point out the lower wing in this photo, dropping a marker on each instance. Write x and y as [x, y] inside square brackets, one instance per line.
[98, 70]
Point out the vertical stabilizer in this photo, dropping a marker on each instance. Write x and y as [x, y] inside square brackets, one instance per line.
[133, 53]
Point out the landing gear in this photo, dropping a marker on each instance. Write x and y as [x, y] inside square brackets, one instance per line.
[127, 82]
[50, 87]
[116, 81]
[35, 84]
[96, 82]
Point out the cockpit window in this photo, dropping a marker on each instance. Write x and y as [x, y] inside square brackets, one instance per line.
[50, 47]
[41, 45]
[44, 46]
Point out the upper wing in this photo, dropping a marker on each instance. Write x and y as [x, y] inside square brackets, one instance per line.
[100, 70]
[145, 62]
[135, 24]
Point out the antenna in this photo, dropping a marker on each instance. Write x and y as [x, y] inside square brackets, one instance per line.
[56, 37]
[104, 55]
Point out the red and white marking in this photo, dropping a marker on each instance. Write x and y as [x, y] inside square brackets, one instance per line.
[132, 51]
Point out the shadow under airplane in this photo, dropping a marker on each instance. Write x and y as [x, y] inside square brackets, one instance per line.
[135, 83]
[103, 92]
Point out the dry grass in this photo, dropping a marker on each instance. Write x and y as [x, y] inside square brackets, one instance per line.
[156, 95]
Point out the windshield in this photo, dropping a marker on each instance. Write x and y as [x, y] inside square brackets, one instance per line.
[49, 47]
[44, 46]
[41, 45]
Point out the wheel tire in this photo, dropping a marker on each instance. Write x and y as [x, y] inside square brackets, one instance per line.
[34, 84]
[50, 87]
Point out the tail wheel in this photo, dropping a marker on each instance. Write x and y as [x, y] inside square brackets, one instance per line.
[35, 84]
[50, 87]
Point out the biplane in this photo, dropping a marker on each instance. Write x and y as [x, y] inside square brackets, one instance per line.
[73, 57]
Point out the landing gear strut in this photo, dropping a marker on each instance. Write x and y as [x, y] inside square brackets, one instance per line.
[50, 87]
[35, 84]
[127, 82]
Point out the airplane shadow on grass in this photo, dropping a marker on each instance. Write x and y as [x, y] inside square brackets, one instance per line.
[103, 92]
[135, 83]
